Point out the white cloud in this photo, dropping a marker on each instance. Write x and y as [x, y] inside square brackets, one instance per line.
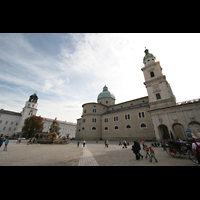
[85, 62]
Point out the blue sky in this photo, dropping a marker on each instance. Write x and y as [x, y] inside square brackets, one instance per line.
[68, 70]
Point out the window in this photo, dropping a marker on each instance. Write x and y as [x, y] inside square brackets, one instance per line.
[174, 116]
[158, 96]
[94, 110]
[106, 128]
[83, 128]
[85, 111]
[4, 128]
[160, 117]
[9, 129]
[16, 123]
[143, 125]
[94, 120]
[11, 123]
[127, 116]
[152, 74]
[6, 122]
[106, 120]
[116, 127]
[190, 114]
[128, 126]
[115, 118]
[83, 120]
[93, 128]
[106, 102]
[141, 114]
[0, 121]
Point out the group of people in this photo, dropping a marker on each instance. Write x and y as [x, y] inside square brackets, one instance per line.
[149, 151]
[6, 142]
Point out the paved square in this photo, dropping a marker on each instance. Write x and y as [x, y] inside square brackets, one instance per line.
[93, 154]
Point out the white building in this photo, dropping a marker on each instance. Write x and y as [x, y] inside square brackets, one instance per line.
[12, 122]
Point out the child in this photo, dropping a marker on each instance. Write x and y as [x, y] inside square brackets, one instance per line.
[152, 154]
[147, 151]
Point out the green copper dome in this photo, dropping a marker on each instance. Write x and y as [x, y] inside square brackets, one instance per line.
[147, 54]
[105, 93]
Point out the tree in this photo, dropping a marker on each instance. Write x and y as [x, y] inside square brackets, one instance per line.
[32, 125]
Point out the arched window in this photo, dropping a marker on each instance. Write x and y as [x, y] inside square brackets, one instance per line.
[143, 125]
[128, 126]
[83, 128]
[152, 74]
[116, 127]
[106, 128]
[93, 128]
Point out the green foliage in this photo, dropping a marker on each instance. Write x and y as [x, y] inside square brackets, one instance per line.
[32, 125]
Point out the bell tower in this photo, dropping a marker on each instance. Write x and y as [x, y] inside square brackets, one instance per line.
[158, 89]
[29, 109]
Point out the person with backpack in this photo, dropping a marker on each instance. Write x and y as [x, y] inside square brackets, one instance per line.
[152, 154]
[196, 148]
[147, 151]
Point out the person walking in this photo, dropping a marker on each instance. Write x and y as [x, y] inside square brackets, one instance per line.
[6, 144]
[84, 143]
[107, 143]
[147, 151]
[152, 154]
[139, 148]
[135, 149]
[78, 144]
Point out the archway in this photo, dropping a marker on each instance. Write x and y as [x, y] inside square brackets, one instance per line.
[164, 133]
[179, 131]
[194, 128]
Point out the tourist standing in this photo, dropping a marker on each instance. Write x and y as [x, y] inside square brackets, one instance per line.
[78, 144]
[6, 144]
[84, 143]
[196, 148]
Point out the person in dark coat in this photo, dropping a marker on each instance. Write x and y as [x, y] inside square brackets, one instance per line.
[135, 149]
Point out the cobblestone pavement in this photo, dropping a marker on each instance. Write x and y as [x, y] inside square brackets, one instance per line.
[93, 154]
[87, 159]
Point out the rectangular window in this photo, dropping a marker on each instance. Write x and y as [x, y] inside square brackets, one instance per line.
[141, 114]
[127, 116]
[94, 110]
[0, 121]
[115, 118]
[106, 120]
[174, 116]
[190, 114]
[158, 96]
[94, 120]
[4, 128]
[160, 117]
[11, 123]
[6, 122]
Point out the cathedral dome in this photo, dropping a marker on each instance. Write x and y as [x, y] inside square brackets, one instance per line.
[105, 93]
[147, 54]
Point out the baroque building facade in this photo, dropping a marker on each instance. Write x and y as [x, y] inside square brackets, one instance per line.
[153, 117]
[12, 122]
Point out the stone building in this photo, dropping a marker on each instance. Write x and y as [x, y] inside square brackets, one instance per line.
[12, 122]
[154, 117]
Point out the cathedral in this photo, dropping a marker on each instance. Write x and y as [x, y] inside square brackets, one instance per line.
[11, 123]
[154, 117]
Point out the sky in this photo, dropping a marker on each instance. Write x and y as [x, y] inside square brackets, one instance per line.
[70, 69]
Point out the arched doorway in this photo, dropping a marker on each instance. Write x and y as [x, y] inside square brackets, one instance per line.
[179, 131]
[164, 133]
[194, 128]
